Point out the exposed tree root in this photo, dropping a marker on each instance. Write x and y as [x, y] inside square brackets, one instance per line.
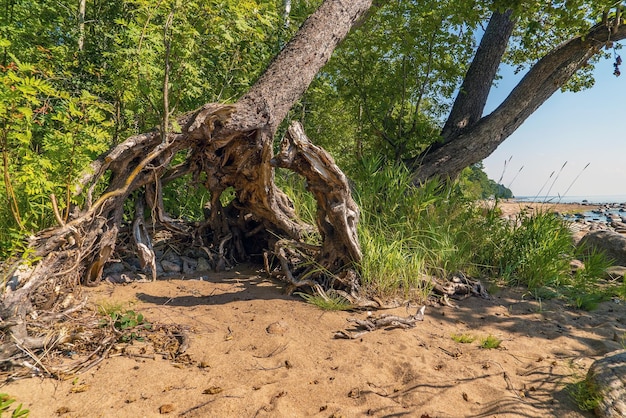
[44, 285]
[363, 326]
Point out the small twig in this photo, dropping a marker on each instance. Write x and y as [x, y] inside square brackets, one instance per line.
[203, 404]
[56, 316]
[184, 343]
[277, 350]
[32, 355]
[450, 353]
[280, 366]
[507, 379]
[383, 321]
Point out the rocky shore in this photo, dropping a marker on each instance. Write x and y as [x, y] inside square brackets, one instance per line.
[583, 217]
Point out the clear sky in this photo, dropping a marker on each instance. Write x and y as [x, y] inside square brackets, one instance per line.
[577, 128]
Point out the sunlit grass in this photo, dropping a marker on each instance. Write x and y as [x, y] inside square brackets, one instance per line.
[490, 342]
[463, 338]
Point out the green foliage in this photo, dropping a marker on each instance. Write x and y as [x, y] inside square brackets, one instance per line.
[475, 183]
[47, 137]
[5, 405]
[294, 186]
[141, 63]
[587, 288]
[536, 251]
[584, 394]
[327, 302]
[389, 76]
[620, 290]
[128, 323]
[490, 342]
[542, 26]
[408, 232]
[463, 338]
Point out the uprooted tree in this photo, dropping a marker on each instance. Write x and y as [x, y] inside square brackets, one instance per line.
[232, 147]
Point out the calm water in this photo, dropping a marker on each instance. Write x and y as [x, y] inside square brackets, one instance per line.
[574, 199]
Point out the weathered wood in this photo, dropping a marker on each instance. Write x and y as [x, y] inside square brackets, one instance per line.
[229, 145]
[337, 214]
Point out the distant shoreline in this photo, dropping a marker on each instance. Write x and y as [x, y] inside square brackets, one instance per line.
[510, 207]
[591, 200]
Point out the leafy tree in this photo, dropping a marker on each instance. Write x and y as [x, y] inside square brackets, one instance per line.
[558, 42]
[475, 183]
[229, 148]
[397, 73]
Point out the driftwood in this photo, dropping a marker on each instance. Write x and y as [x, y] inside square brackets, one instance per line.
[458, 286]
[364, 326]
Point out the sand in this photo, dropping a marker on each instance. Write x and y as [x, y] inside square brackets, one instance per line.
[512, 207]
[256, 352]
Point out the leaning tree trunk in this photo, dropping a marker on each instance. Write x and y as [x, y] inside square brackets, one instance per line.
[232, 146]
[469, 140]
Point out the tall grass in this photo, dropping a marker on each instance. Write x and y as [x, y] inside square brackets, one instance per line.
[410, 233]
[537, 251]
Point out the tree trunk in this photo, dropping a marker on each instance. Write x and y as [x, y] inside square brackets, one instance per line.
[233, 146]
[472, 97]
[468, 140]
[81, 24]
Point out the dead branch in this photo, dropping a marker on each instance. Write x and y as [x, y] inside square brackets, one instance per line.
[383, 321]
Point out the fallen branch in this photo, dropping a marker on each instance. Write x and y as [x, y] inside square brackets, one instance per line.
[383, 321]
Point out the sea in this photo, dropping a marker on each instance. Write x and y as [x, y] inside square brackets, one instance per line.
[615, 206]
[599, 200]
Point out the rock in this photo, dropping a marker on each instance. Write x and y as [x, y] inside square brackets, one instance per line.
[170, 267]
[189, 265]
[608, 376]
[115, 267]
[202, 265]
[576, 265]
[610, 242]
[278, 328]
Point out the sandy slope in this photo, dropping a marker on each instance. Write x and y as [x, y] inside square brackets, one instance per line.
[237, 365]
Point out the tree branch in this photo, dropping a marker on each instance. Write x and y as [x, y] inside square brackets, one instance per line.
[547, 76]
[472, 96]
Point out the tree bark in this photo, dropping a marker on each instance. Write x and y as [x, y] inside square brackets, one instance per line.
[477, 141]
[233, 146]
[293, 70]
[82, 4]
[472, 97]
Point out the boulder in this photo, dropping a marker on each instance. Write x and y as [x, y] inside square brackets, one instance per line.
[608, 376]
[202, 265]
[607, 241]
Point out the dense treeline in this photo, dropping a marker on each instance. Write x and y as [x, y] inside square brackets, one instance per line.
[80, 77]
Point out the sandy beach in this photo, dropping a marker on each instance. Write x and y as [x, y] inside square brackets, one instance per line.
[255, 352]
[512, 207]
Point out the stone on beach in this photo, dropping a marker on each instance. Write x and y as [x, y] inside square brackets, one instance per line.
[608, 376]
[610, 242]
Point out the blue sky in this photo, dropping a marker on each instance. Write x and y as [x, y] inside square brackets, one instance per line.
[577, 128]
